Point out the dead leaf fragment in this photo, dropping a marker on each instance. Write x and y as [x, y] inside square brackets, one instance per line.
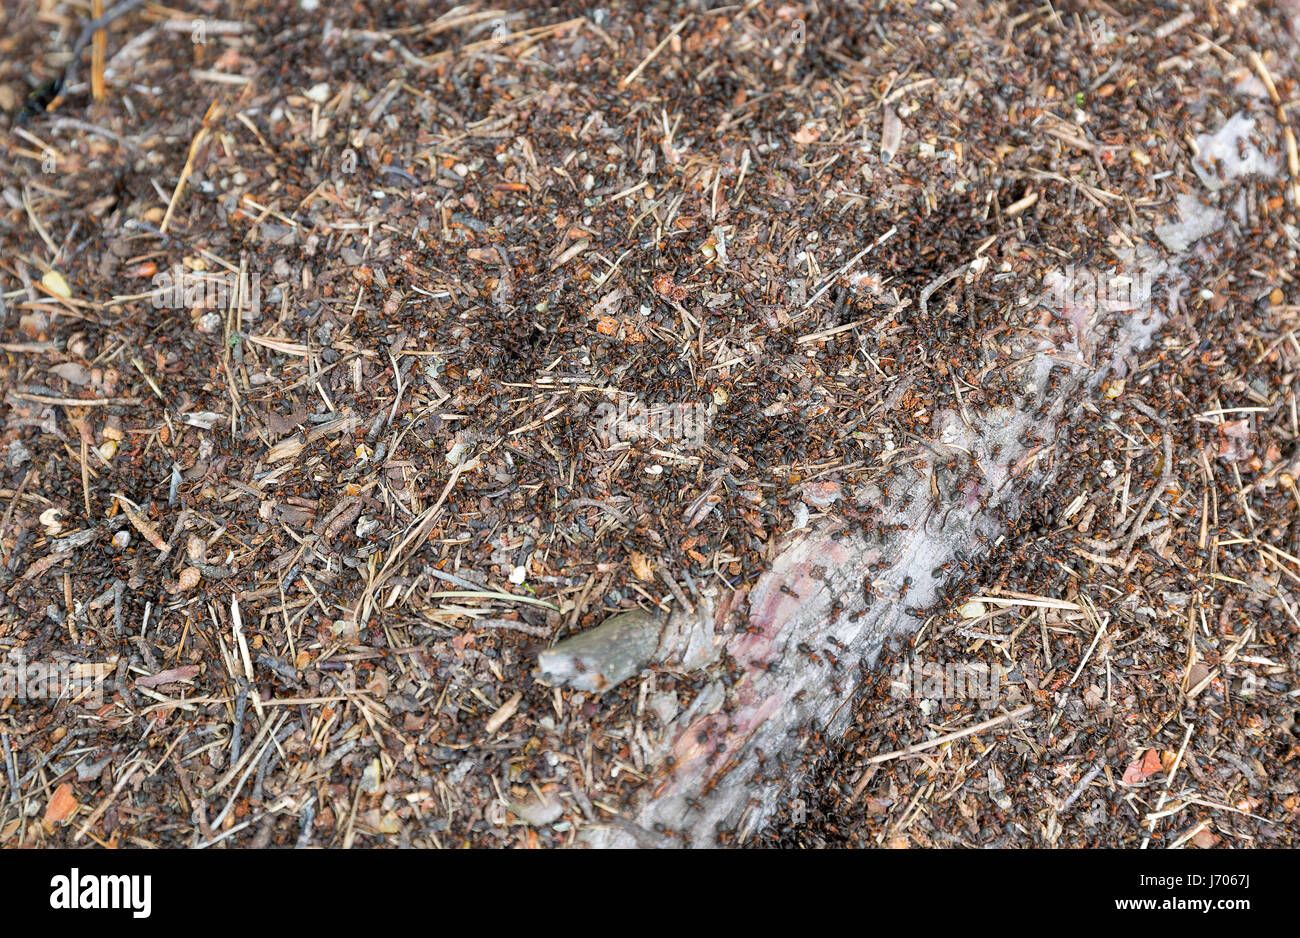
[891, 134]
[137, 519]
[641, 566]
[808, 133]
[1139, 770]
[72, 373]
[609, 303]
[63, 804]
[1233, 437]
[170, 676]
[821, 494]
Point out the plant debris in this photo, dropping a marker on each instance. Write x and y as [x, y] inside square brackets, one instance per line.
[358, 367]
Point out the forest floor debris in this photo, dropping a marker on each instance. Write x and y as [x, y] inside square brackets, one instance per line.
[348, 363]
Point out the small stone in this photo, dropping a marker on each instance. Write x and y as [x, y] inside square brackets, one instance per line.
[17, 454]
[72, 372]
[122, 539]
[538, 812]
[371, 779]
[32, 325]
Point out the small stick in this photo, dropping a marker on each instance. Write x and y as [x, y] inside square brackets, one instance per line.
[237, 735]
[676, 591]
[196, 804]
[950, 737]
[188, 168]
[409, 545]
[1288, 135]
[849, 266]
[936, 284]
[1083, 783]
[85, 473]
[97, 52]
[74, 401]
[614, 512]
[10, 768]
[308, 816]
[1164, 795]
[632, 76]
[1096, 638]
[127, 772]
[1166, 474]
[537, 631]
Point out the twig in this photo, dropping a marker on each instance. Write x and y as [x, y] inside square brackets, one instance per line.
[188, 168]
[1164, 795]
[514, 625]
[88, 32]
[614, 512]
[1083, 783]
[10, 768]
[97, 51]
[950, 737]
[1166, 474]
[936, 284]
[409, 545]
[826, 285]
[632, 75]
[74, 401]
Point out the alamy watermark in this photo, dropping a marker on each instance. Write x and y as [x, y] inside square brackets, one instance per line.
[949, 680]
[1131, 289]
[78, 890]
[1099, 290]
[630, 419]
[82, 682]
[179, 288]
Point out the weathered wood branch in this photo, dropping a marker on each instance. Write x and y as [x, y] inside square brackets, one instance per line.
[725, 762]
